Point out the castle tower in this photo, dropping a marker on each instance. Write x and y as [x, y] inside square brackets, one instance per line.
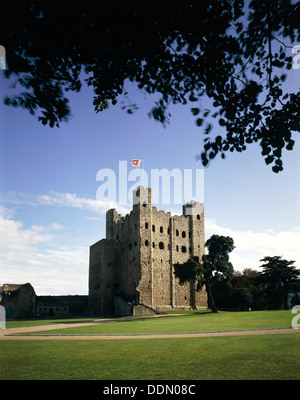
[135, 261]
[195, 213]
[112, 226]
[142, 200]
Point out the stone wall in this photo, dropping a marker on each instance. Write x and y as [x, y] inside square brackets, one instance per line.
[103, 276]
[142, 310]
[122, 307]
[18, 300]
[61, 306]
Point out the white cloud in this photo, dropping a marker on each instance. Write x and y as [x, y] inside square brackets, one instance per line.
[55, 226]
[32, 255]
[66, 200]
[252, 246]
[71, 200]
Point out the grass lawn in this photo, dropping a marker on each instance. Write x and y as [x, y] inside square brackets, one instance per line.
[262, 357]
[193, 322]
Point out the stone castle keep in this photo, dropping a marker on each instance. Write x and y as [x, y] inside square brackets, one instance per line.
[131, 271]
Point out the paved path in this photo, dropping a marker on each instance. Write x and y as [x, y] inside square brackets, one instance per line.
[5, 333]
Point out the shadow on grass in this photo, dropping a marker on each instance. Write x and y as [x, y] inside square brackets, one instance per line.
[72, 322]
[179, 313]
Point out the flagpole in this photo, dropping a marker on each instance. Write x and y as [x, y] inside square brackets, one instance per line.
[142, 170]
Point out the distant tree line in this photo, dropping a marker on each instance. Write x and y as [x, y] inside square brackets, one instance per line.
[268, 289]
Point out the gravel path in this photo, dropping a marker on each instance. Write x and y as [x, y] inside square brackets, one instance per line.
[11, 334]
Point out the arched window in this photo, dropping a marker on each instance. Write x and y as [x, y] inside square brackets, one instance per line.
[198, 216]
[183, 234]
[153, 244]
[161, 245]
[183, 249]
[153, 228]
[177, 232]
[161, 229]
[146, 243]
[146, 225]
[130, 246]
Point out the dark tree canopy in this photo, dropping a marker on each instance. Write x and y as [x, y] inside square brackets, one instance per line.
[213, 266]
[235, 54]
[278, 273]
[279, 277]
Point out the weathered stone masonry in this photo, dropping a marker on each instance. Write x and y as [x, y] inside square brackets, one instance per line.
[133, 266]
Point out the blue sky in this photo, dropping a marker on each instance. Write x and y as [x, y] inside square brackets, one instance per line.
[49, 211]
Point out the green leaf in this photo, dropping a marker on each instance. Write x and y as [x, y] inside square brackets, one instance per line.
[290, 145]
[192, 97]
[269, 159]
[199, 121]
[208, 129]
[195, 111]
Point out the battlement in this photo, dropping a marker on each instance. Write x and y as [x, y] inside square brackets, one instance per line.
[193, 208]
[142, 196]
[142, 205]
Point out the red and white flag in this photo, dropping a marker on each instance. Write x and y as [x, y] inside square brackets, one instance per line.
[136, 163]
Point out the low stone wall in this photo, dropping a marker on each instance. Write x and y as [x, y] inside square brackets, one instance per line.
[141, 309]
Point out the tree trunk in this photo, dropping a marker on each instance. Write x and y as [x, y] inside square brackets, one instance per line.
[210, 299]
[285, 301]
